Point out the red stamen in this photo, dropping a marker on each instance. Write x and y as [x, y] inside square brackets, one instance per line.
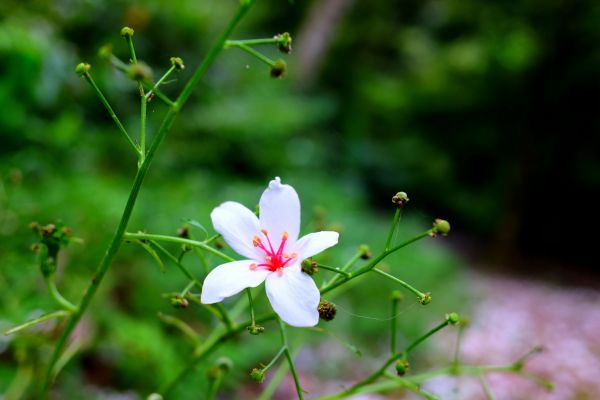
[274, 261]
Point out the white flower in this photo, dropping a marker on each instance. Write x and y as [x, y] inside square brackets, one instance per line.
[274, 254]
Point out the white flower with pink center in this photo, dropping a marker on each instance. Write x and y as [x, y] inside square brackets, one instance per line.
[274, 252]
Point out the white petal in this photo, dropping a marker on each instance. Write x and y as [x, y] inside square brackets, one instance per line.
[314, 243]
[294, 296]
[238, 225]
[280, 212]
[229, 279]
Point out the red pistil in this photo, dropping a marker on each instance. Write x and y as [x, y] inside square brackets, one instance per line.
[274, 260]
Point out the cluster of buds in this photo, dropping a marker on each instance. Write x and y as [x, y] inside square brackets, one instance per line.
[255, 329]
[400, 199]
[257, 375]
[327, 310]
[52, 238]
[440, 227]
[179, 302]
[310, 267]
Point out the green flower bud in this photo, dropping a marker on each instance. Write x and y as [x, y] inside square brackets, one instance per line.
[278, 69]
[139, 71]
[255, 329]
[127, 31]
[452, 318]
[177, 63]
[82, 68]
[441, 227]
[426, 299]
[310, 267]
[284, 42]
[179, 302]
[326, 310]
[257, 375]
[105, 51]
[400, 199]
[365, 252]
[397, 295]
[402, 367]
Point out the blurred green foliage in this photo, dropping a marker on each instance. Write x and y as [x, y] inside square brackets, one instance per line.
[479, 110]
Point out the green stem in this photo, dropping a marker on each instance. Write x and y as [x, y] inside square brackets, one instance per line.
[251, 42]
[420, 340]
[160, 81]
[420, 295]
[143, 107]
[214, 387]
[394, 325]
[274, 360]
[185, 291]
[395, 220]
[175, 261]
[274, 382]
[111, 112]
[290, 360]
[137, 183]
[45, 317]
[366, 268]
[251, 305]
[57, 297]
[334, 269]
[129, 40]
[179, 324]
[255, 53]
[344, 268]
[486, 388]
[409, 385]
[175, 239]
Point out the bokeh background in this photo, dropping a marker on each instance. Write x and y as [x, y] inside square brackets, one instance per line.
[484, 112]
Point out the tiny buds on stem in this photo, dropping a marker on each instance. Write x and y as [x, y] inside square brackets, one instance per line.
[365, 252]
[452, 318]
[425, 299]
[139, 71]
[397, 295]
[400, 199]
[105, 51]
[127, 32]
[177, 63]
[257, 375]
[82, 68]
[221, 365]
[278, 69]
[255, 329]
[184, 232]
[219, 244]
[440, 227]
[284, 42]
[179, 302]
[326, 310]
[310, 267]
[402, 367]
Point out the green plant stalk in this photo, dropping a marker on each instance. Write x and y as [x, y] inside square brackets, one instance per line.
[420, 295]
[375, 375]
[160, 81]
[111, 112]
[395, 221]
[278, 376]
[290, 360]
[486, 388]
[250, 42]
[179, 265]
[333, 269]
[410, 385]
[214, 387]
[369, 266]
[56, 296]
[181, 325]
[255, 53]
[143, 107]
[175, 239]
[40, 319]
[137, 183]
[251, 305]
[274, 360]
[217, 337]
[344, 268]
[394, 326]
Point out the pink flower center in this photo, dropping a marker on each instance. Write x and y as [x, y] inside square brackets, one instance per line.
[274, 260]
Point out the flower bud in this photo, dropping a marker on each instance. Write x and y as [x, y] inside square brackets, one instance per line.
[397, 295]
[365, 252]
[34, 226]
[326, 310]
[82, 68]
[219, 244]
[402, 367]
[310, 267]
[278, 69]
[441, 227]
[284, 42]
[400, 199]
[177, 63]
[255, 329]
[154, 396]
[48, 230]
[139, 71]
[426, 299]
[257, 375]
[184, 232]
[222, 365]
[127, 31]
[179, 302]
[105, 51]
[452, 318]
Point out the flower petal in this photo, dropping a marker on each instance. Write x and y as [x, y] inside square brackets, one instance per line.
[238, 225]
[280, 212]
[314, 243]
[229, 279]
[294, 296]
